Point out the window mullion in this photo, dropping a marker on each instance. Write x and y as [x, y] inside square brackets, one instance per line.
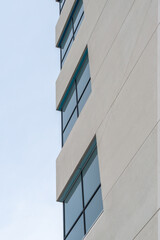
[84, 218]
[73, 28]
[93, 196]
[64, 55]
[59, 7]
[71, 20]
[73, 225]
[64, 219]
[84, 90]
[78, 23]
[61, 57]
[63, 130]
[77, 97]
[62, 126]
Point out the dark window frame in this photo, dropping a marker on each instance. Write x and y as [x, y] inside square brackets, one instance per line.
[61, 5]
[82, 213]
[71, 20]
[76, 108]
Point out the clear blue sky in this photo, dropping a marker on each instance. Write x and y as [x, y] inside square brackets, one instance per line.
[29, 125]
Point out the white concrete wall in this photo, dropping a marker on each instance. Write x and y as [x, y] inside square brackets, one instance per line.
[122, 111]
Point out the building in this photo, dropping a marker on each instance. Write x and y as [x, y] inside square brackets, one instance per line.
[108, 92]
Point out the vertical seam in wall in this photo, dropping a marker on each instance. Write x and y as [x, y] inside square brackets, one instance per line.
[113, 39]
[156, 125]
[107, 2]
[147, 223]
[117, 36]
[121, 89]
[139, 34]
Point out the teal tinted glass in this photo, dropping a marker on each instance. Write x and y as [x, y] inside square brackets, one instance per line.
[93, 210]
[73, 205]
[91, 177]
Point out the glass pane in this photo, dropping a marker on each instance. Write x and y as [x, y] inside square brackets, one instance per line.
[78, 26]
[70, 126]
[73, 205]
[93, 210]
[77, 14]
[62, 3]
[84, 97]
[64, 57]
[69, 105]
[83, 77]
[91, 178]
[77, 232]
[67, 39]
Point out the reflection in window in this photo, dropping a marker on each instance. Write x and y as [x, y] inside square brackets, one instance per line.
[83, 204]
[76, 97]
[71, 30]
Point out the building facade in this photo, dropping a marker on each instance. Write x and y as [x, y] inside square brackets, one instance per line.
[108, 92]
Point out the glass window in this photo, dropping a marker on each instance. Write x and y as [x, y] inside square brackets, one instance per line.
[71, 30]
[83, 204]
[93, 210]
[66, 40]
[91, 178]
[78, 26]
[78, 231]
[70, 126]
[62, 2]
[73, 205]
[84, 97]
[78, 14]
[66, 53]
[70, 104]
[76, 97]
[83, 77]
